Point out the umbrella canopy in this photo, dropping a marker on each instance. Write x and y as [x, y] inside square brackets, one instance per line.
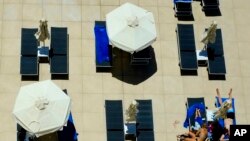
[131, 28]
[41, 108]
[132, 111]
[210, 35]
[43, 33]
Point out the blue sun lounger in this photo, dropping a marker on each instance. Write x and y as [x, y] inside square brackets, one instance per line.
[144, 118]
[216, 60]
[103, 51]
[29, 60]
[217, 104]
[192, 104]
[183, 8]
[186, 47]
[69, 132]
[59, 62]
[114, 120]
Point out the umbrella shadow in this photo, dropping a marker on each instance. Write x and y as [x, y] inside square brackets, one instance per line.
[133, 74]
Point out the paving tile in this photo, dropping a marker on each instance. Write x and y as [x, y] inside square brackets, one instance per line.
[32, 12]
[93, 103]
[74, 2]
[136, 2]
[97, 118]
[91, 2]
[52, 12]
[71, 13]
[11, 29]
[11, 47]
[74, 29]
[109, 2]
[12, 12]
[91, 13]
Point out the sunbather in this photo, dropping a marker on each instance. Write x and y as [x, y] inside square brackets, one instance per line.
[226, 109]
[198, 120]
[200, 135]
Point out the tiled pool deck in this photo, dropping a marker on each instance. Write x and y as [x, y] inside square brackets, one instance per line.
[88, 89]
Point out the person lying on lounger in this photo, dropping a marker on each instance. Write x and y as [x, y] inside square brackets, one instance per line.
[200, 135]
[226, 109]
[198, 120]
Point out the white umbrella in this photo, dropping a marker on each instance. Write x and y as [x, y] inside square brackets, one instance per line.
[210, 35]
[131, 28]
[43, 33]
[41, 108]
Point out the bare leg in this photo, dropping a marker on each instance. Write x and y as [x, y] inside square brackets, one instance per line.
[199, 113]
[196, 113]
[219, 97]
[192, 135]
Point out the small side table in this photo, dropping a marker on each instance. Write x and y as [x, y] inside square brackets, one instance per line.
[202, 57]
[130, 130]
[43, 54]
[210, 115]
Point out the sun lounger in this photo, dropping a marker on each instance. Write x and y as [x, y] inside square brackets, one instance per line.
[217, 104]
[59, 62]
[114, 120]
[103, 51]
[69, 132]
[186, 47]
[29, 43]
[144, 118]
[28, 59]
[142, 57]
[145, 136]
[29, 66]
[216, 60]
[210, 4]
[183, 8]
[192, 105]
[115, 136]
[114, 115]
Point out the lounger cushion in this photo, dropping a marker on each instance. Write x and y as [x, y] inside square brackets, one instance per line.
[216, 65]
[145, 136]
[29, 65]
[59, 64]
[114, 115]
[115, 136]
[103, 50]
[59, 40]
[144, 118]
[188, 60]
[29, 43]
[69, 132]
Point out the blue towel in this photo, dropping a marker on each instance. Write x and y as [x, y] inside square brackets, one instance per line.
[71, 121]
[191, 110]
[102, 44]
[221, 121]
[183, 1]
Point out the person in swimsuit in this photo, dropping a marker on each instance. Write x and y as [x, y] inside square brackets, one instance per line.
[200, 135]
[226, 110]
